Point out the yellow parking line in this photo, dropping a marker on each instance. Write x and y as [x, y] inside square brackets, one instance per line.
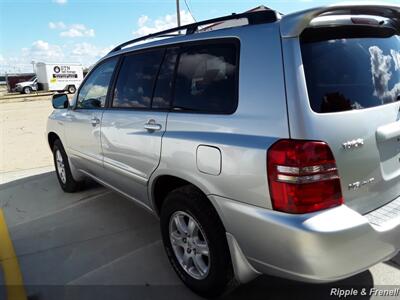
[9, 262]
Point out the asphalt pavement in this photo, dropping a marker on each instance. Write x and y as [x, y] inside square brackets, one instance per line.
[96, 244]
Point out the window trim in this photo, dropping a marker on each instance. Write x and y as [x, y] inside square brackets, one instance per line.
[75, 107]
[181, 47]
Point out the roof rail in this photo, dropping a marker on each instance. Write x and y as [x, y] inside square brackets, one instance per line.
[292, 25]
[256, 17]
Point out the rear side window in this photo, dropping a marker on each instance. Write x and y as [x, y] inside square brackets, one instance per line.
[134, 86]
[351, 69]
[206, 79]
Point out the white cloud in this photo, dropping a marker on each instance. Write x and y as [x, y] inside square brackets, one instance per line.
[396, 58]
[381, 74]
[57, 25]
[142, 20]
[61, 2]
[41, 50]
[78, 30]
[85, 53]
[147, 26]
[85, 49]
[73, 30]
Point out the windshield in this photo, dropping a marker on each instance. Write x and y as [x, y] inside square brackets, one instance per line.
[352, 72]
[32, 79]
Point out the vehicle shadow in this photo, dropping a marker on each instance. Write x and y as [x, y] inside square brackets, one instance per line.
[394, 262]
[110, 248]
[268, 287]
[88, 184]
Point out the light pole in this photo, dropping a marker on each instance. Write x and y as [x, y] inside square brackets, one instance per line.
[33, 66]
[178, 13]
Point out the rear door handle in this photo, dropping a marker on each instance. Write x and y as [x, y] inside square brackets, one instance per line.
[151, 125]
[95, 121]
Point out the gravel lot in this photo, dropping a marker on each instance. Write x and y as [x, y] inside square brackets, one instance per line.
[22, 137]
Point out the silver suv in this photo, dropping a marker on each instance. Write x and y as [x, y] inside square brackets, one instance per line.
[270, 147]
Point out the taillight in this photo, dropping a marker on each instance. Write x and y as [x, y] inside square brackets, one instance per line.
[303, 176]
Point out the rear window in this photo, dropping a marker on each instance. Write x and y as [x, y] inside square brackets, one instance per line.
[351, 68]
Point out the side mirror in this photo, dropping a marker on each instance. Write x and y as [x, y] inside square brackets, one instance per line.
[60, 101]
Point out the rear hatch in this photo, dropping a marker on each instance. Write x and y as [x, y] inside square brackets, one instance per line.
[352, 78]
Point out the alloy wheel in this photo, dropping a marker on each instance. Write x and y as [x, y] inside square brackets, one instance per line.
[189, 244]
[60, 167]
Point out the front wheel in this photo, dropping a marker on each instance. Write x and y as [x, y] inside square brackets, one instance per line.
[27, 90]
[195, 242]
[63, 170]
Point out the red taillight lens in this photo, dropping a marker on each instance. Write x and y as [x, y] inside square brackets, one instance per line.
[302, 176]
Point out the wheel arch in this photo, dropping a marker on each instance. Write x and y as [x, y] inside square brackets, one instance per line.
[51, 138]
[162, 184]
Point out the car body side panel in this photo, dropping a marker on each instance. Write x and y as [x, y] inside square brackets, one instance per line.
[243, 137]
[131, 153]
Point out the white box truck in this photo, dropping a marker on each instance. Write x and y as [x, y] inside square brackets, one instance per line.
[59, 77]
[53, 77]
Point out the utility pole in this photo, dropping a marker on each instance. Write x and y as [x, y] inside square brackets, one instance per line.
[33, 66]
[178, 13]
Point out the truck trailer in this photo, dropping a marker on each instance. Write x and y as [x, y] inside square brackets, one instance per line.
[53, 77]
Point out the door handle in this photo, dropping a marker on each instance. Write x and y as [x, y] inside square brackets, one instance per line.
[95, 121]
[151, 125]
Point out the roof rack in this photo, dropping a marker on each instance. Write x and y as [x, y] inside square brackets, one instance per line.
[256, 17]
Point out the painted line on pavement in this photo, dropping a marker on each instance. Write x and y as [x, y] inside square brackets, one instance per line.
[12, 274]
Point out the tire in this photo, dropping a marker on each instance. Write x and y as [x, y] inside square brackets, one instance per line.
[217, 276]
[71, 89]
[27, 90]
[64, 176]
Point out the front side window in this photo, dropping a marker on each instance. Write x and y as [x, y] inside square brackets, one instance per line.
[352, 68]
[206, 79]
[93, 93]
[134, 87]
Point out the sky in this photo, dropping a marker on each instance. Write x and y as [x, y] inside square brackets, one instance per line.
[85, 30]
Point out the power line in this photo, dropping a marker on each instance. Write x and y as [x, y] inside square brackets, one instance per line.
[190, 12]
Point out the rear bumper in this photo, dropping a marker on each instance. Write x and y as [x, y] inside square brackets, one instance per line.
[318, 247]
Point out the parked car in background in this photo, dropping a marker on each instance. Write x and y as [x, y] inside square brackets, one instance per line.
[271, 147]
[53, 77]
[27, 87]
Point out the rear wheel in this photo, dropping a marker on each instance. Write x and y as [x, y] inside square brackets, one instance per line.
[27, 90]
[63, 170]
[71, 89]
[195, 241]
